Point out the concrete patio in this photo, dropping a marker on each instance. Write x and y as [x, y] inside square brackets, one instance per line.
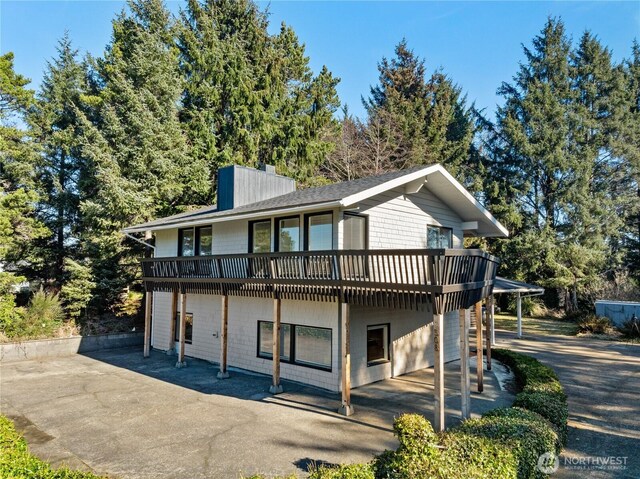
[114, 413]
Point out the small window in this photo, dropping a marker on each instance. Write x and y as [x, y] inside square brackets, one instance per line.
[288, 234]
[319, 232]
[260, 236]
[439, 237]
[377, 344]
[188, 330]
[355, 231]
[301, 345]
[186, 242]
[265, 340]
[204, 241]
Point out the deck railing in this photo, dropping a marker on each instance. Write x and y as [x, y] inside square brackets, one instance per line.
[444, 279]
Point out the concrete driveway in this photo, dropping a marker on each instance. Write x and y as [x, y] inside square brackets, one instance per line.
[116, 413]
[602, 382]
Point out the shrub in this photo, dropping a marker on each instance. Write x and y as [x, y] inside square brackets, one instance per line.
[551, 406]
[525, 433]
[594, 324]
[17, 462]
[631, 328]
[348, 471]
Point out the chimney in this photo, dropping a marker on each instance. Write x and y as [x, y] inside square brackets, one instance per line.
[239, 185]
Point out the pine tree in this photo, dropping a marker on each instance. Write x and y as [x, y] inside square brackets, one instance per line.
[250, 96]
[134, 144]
[55, 123]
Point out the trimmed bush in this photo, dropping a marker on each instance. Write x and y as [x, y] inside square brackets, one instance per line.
[348, 471]
[525, 433]
[17, 462]
[551, 406]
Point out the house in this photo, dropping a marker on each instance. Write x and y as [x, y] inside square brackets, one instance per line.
[336, 286]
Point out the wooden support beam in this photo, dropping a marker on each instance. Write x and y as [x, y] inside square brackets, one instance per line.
[493, 320]
[174, 312]
[479, 346]
[183, 328]
[224, 321]
[465, 378]
[487, 314]
[276, 387]
[438, 371]
[519, 313]
[147, 322]
[346, 408]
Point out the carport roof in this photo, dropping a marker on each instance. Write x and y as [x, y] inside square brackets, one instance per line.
[504, 285]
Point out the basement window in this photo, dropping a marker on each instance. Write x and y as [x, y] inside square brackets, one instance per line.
[301, 345]
[377, 344]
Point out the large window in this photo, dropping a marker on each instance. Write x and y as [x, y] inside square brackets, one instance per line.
[439, 237]
[377, 344]
[188, 330]
[260, 236]
[355, 231]
[288, 234]
[319, 231]
[301, 345]
[195, 241]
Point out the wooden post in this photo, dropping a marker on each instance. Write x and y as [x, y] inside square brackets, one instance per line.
[438, 371]
[174, 313]
[493, 320]
[276, 387]
[479, 346]
[346, 408]
[465, 379]
[487, 314]
[519, 313]
[183, 327]
[147, 323]
[224, 320]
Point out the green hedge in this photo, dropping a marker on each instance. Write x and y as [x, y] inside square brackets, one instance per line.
[541, 391]
[16, 461]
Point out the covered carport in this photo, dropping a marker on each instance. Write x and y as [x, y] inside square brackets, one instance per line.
[521, 290]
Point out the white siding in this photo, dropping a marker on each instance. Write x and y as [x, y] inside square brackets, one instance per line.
[400, 221]
[411, 335]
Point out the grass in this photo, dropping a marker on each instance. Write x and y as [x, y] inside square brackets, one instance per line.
[547, 325]
[16, 462]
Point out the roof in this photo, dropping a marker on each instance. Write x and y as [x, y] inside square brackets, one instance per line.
[344, 194]
[504, 285]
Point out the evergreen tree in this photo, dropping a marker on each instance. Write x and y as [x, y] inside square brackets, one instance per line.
[55, 122]
[250, 96]
[133, 141]
[427, 116]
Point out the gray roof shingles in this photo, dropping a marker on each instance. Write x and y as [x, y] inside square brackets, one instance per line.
[309, 196]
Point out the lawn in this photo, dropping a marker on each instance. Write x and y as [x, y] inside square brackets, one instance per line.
[546, 325]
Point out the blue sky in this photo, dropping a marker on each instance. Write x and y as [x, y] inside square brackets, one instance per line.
[477, 43]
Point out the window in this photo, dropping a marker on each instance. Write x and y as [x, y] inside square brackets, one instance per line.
[188, 330]
[377, 344]
[204, 241]
[195, 241]
[186, 242]
[265, 342]
[355, 231]
[301, 345]
[318, 231]
[439, 237]
[260, 236]
[288, 234]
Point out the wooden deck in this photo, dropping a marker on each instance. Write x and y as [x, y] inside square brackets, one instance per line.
[440, 280]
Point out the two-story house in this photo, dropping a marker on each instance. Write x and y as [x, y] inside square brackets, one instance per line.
[336, 286]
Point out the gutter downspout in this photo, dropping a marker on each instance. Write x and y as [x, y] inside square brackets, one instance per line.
[148, 245]
[153, 299]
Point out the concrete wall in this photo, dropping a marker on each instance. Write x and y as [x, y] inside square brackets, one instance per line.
[45, 348]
